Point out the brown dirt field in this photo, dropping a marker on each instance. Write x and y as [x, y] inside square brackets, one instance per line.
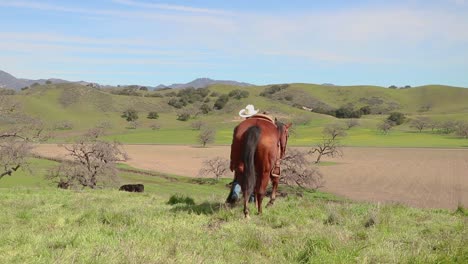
[433, 178]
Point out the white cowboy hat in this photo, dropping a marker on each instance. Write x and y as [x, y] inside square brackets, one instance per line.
[248, 111]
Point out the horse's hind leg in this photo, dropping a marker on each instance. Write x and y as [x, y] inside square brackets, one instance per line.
[246, 202]
[274, 182]
[260, 194]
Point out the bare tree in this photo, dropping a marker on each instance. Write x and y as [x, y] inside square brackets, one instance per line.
[13, 155]
[426, 107]
[433, 125]
[420, 123]
[155, 126]
[327, 147]
[217, 166]
[94, 133]
[134, 124]
[63, 125]
[92, 163]
[385, 126]
[17, 137]
[197, 125]
[334, 131]
[297, 171]
[104, 124]
[330, 144]
[207, 135]
[462, 129]
[301, 119]
[447, 127]
[350, 123]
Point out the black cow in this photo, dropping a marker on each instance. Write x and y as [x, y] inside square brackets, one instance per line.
[132, 188]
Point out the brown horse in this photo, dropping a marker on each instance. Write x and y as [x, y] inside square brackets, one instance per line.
[257, 147]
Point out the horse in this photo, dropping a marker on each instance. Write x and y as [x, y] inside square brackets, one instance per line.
[258, 146]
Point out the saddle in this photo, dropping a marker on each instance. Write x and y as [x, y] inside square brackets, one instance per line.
[264, 117]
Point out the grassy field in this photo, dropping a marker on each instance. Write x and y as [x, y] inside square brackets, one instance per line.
[42, 224]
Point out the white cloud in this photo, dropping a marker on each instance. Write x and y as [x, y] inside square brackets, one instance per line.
[385, 34]
[170, 7]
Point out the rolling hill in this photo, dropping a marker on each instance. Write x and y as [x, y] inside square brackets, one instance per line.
[9, 81]
[85, 107]
[202, 83]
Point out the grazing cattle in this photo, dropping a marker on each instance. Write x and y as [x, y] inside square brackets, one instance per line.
[132, 188]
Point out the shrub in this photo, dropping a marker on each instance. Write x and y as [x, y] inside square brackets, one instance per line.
[397, 118]
[365, 110]
[63, 125]
[180, 199]
[155, 94]
[238, 94]
[155, 126]
[177, 103]
[153, 115]
[130, 115]
[183, 116]
[221, 102]
[205, 108]
[347, 112]
[267, 92]
[4, 91]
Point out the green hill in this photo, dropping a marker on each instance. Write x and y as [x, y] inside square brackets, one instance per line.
[84, 107]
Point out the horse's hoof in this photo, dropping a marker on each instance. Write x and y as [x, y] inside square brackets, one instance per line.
[247, 217]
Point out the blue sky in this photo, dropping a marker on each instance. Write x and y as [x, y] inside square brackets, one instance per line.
[151, 42]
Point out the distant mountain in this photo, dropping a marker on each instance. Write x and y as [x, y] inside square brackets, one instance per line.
[9, 81]
[202, 83]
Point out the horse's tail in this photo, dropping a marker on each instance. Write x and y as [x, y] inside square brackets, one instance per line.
[252, 135]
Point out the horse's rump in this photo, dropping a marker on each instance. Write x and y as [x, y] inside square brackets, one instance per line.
[269, 139]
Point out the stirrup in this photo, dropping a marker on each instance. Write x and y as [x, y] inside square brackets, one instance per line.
[276, 172]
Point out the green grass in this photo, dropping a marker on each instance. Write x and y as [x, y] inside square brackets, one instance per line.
[108, 226]
[398, 138]
[32, 176]
[303, 136]
[43, 224]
